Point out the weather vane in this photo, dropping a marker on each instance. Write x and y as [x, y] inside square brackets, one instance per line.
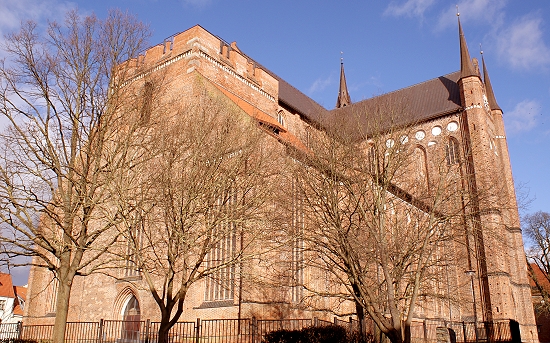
[457, 13]
[480, 49]
[341, 57]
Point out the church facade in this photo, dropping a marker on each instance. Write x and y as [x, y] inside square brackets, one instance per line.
[457, 112]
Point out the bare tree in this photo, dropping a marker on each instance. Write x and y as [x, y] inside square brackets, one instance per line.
[376, 223]
[537, 229]
[202, 199]
[66, 140]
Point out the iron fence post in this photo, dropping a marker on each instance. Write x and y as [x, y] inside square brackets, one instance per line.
[425, 329]
[19, 329]
[315, 321]
[147, 330]
[254, 324]
[100, 331]
[197, 330]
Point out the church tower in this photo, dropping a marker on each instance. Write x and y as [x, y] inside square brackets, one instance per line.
[496, 246]
[471, 93]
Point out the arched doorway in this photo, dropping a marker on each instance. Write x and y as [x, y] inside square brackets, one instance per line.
[131, 317]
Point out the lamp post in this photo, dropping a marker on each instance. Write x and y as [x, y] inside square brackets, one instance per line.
[472, 273]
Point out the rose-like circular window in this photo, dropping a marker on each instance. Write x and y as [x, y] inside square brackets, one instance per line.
[452, 126]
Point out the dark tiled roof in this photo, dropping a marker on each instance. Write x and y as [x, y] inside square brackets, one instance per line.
[300, 102]
[417, 103]
[407, 106]
[411, 105]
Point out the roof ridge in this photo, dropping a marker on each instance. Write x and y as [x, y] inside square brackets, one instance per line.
[401, 89]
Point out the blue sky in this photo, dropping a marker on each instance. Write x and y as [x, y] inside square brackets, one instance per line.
[386, 45]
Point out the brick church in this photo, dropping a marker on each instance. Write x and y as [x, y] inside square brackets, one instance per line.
[457, 112]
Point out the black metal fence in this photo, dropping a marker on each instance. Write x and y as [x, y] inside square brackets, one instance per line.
[250, 330]
[430, 331]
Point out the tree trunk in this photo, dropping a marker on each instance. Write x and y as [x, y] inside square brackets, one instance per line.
[166, 323]
[361, 319]
[395, 336]
[407, 332]
[164, 330]
[61, 310]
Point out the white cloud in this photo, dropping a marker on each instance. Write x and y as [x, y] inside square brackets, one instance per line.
[489, 11]
[410, 8]
[523, 117]
[13, 13]
[522, 44]
[320, 84]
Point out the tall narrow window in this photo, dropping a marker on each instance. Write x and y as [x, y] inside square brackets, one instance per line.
[297, 249]
[371, 159]
[131, 310]
[134, 244]
[420, 184]
[131, 317]
[452, 152]
[308, 136]
[220, 285]
[147, 104]
[281, 118]
[52, 294]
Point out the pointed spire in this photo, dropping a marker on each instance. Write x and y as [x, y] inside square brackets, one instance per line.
[466, 65]
[493, 105]
[343, 95]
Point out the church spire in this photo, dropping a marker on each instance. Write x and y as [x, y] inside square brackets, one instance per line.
[466, 65]
[343, 95]
[493, 105]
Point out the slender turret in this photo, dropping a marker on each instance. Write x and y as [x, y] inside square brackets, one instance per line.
[466, 65]
[493, 105]
[343, 95]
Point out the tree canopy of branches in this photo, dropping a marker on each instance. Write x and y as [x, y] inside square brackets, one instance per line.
[537, 229]
[375, 223]
[201, 199]
[64, 145]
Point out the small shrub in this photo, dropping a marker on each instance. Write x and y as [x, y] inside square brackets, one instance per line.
[283, 336]
[322, 334]
[17, 340]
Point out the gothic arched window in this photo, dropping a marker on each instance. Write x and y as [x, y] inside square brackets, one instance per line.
[452, 152]
[131, 316]
[281, 118]
[147, 103]
[220, 284]
[420, 164]
[131, 310]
